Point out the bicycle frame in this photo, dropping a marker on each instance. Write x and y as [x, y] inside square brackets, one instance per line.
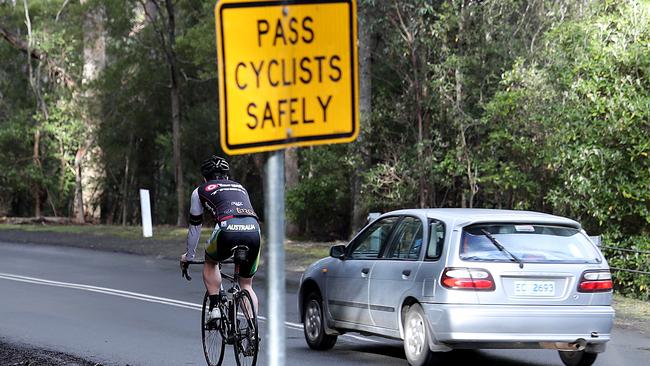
[226, 307]
[245, 341]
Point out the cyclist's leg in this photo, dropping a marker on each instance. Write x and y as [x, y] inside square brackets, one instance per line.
[248, 269]
[214, 253]
[247, 284]
[211, 276]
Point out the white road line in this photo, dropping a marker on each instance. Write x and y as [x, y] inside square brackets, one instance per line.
[103, 290]
[141, 297]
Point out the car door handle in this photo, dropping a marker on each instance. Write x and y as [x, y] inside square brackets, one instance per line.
[406, 272]
[365, 271]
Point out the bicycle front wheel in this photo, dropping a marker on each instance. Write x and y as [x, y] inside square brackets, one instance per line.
[246, 331]
[212, 334]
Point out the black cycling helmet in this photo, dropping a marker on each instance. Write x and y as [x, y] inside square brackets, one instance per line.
[215, 167]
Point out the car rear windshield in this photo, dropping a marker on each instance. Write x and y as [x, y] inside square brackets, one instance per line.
[528, 242]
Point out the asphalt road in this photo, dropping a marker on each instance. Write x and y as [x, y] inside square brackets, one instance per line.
[119, 309]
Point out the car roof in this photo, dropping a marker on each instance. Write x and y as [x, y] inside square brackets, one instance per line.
[459, 217]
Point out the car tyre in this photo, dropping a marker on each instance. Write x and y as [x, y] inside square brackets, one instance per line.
[578, 358]
[416, 337]
[314, 324]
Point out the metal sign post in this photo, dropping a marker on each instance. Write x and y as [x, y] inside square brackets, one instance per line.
[274, 215]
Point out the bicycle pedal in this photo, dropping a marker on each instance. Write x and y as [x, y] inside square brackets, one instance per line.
[251, 349]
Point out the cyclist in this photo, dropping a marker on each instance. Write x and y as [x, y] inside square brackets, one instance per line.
[228, 202]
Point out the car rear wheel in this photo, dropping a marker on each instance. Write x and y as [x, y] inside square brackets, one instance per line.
[578, 358]
[416, 337]
[314, 324]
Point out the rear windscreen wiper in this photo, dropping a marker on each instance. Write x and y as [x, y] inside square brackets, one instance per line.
[502, 248]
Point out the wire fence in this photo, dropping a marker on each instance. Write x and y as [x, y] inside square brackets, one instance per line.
[628, 251]
[630, 270]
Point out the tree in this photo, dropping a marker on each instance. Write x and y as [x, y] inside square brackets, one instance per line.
[589, 104]
[50, 78]
[88, 171]
[359, 149]
[164, 24]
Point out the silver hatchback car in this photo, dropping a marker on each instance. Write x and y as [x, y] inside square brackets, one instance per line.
[443, 279]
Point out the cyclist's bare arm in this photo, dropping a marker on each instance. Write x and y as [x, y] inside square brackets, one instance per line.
[195, 224]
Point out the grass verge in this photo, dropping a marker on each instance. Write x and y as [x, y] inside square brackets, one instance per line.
[632, 312]
[162, 232]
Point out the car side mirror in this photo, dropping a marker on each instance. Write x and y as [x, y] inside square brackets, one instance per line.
[338, 251]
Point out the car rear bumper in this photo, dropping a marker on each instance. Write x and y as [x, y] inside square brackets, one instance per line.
[519, 325]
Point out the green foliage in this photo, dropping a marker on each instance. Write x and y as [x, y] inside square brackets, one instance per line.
[569, 131]
[22, 119]
[321, 202]
[605, 168]
[629, 283]
[574, 122]
[136, 130]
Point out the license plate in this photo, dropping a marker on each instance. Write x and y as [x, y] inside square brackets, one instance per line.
[534, 288]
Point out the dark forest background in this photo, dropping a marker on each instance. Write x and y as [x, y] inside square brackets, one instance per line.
[539, 105]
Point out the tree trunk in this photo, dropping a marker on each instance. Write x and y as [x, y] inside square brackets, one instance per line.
[310, 175]
[34, 84]
[37, 160]
[359, 209]
[465, 153]
[176, 137]
[125, 188]
[176, 114]
[54, 70]
[78, 189]
[291, 180]
[94, 52]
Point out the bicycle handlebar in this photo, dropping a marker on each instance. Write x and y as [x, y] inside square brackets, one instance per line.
[186, 265]
[235, 251]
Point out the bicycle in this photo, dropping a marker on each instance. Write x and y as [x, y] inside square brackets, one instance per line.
[238, 323]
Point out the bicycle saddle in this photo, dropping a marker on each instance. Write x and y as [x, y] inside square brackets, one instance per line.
[240, 253]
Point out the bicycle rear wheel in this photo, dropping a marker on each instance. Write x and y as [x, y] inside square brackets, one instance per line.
[246, 331]
[212, 335]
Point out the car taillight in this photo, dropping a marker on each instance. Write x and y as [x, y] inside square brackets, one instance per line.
[467, 279]
[595, 281]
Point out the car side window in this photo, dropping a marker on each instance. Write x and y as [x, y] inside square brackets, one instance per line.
[436, 239]
[369, 244]
[407, 239]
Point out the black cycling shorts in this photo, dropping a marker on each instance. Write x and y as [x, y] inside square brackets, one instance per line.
[233, 232]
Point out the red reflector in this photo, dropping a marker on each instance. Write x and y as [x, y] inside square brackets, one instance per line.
[483, 284]
[596, 286]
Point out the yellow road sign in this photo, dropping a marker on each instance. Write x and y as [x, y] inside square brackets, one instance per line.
[287, 73]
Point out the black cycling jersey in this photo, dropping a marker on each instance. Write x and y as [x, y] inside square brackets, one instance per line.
[224, 199]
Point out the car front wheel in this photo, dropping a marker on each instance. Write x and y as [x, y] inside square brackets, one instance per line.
[578, 358]
[314, 324]
[416, 337]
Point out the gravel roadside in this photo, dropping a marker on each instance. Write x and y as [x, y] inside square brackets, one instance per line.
[21, 355]
[149, 247]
